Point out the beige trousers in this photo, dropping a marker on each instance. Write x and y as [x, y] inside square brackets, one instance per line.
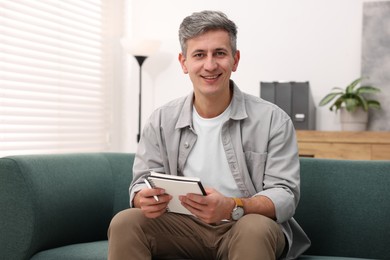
[173, 236]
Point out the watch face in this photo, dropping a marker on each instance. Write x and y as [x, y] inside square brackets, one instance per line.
[237, 213]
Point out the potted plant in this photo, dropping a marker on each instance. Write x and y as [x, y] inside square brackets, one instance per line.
[353, 104]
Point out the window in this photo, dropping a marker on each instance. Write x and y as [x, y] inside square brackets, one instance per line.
[53, 82]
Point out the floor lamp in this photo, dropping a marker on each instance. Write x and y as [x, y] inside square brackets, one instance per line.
[140, 59]
[140, 50]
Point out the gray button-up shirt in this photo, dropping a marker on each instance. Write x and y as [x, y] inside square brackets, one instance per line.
[260, 146]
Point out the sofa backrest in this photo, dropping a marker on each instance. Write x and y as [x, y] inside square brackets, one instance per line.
[48, 201]
[345, 207]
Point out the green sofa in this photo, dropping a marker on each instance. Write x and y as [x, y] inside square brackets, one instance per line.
[60, 206]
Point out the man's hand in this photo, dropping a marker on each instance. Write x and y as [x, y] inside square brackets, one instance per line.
[147, 203]
[211, 208]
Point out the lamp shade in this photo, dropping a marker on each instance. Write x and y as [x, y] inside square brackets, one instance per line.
[140, 47]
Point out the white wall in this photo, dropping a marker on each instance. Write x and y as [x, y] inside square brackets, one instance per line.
[300, 40]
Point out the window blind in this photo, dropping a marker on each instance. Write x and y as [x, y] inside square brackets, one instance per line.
[53, 82]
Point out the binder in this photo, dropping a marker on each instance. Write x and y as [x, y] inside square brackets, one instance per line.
[295, 98]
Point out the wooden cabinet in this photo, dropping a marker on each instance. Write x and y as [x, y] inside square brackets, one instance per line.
[344, 145]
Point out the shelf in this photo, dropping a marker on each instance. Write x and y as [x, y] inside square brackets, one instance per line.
[344, 145]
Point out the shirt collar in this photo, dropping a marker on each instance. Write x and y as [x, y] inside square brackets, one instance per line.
[238, 111]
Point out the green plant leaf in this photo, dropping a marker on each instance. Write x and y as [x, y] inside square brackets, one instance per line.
[362, 102]
[337, 104]
[351, 104]
[367, 89]
[338, 88]
[353, 84]
[374, 104]
[329, 97]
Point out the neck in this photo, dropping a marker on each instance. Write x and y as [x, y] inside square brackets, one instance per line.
[209, 107]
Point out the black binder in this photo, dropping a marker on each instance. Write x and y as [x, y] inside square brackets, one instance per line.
[294, 98]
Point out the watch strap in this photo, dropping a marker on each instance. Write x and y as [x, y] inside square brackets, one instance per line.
[239, 202]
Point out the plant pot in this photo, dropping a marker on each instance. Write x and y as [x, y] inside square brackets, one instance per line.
[353, 121]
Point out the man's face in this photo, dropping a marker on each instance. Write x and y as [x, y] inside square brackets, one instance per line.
[209, 61]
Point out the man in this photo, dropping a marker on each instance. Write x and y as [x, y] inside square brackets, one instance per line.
[243, 149]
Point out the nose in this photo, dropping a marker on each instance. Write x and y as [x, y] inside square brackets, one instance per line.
[210, 63]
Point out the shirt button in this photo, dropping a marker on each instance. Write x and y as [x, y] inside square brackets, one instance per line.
[225, 140]
[186, 145]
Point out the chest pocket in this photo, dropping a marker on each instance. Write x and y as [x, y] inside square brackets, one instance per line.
[256, 167]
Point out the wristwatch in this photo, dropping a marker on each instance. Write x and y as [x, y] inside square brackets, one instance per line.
[238, 210]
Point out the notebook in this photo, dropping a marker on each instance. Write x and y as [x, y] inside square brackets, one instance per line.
[176, 186]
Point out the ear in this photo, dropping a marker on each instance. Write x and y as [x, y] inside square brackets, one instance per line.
[182, 61]
[236, 58]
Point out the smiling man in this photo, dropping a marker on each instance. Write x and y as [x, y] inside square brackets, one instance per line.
[209, 60]
[242, 148]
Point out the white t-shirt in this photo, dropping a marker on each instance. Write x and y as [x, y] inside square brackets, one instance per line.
[207, 159]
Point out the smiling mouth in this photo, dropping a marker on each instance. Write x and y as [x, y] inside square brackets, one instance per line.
[211, 77]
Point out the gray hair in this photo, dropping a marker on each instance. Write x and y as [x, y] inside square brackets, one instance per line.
[201, 22]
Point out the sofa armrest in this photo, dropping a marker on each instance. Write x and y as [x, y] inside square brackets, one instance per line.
[49, 201]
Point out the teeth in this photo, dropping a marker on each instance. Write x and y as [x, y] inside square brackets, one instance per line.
[210, 77]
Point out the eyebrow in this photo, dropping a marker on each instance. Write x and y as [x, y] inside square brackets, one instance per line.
[201, 50]
[197, 51]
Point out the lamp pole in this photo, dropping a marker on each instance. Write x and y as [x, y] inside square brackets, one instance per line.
[140, 59]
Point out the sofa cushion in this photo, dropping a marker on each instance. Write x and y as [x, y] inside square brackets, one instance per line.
[86, 251]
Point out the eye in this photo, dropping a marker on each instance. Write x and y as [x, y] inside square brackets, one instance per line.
[220, 53]
[199, 55]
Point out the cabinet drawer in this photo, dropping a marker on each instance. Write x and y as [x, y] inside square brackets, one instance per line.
[335, 151]
[380, 152]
